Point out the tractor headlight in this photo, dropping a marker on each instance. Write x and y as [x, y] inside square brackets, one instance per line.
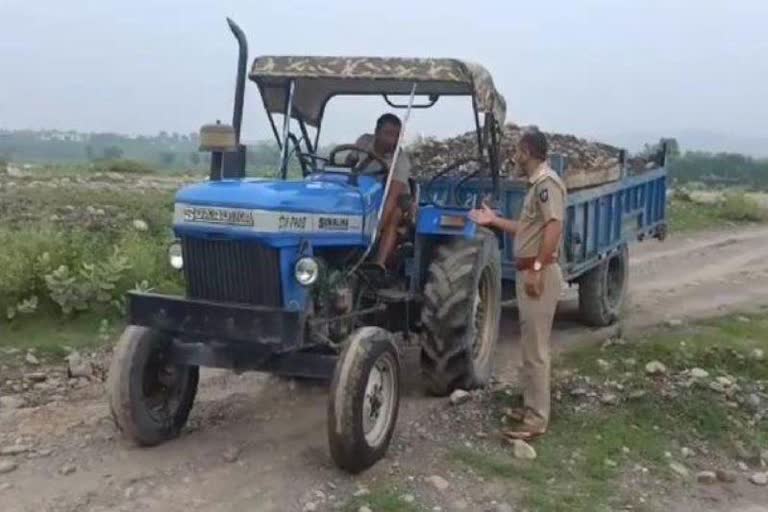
[175, 257]
[307, 270]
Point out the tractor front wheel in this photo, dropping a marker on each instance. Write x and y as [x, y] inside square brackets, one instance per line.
[150, 398]
[364, 400]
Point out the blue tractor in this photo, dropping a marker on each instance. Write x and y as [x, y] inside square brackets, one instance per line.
[276, 271]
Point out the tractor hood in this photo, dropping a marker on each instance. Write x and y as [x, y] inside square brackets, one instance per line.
[320, 204]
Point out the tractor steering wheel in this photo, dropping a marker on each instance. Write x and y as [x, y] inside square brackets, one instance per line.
[454, 199]
[357, 168]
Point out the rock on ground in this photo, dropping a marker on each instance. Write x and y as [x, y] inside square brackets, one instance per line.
[699, 373]
[310, 507]
[459, 397]
[603, 364]
[439, 482]
[77, 367]
[504, 507]
[37, 377]
[31, 359]
[726, 476]
[679, 469]
[655, 368]
[523, 450]
[759, 479]
[231, 454]
[757, 354]
[706, 477]
[364, 509]
[67, 469]
[725, 382]
[17, 449]
[7, 465]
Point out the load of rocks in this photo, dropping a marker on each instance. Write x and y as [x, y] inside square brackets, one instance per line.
[587, 163]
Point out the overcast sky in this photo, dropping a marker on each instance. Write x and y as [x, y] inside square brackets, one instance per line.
[597, 68]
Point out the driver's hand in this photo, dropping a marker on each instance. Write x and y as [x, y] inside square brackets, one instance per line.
[483, 216]
[352, 159]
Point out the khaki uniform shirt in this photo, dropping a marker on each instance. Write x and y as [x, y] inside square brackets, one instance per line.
[545, 201]
[402, 167]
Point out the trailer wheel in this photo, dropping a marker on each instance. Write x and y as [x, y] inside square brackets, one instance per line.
[364, 400]
[461, 314]
[149, 398]
[603, 289]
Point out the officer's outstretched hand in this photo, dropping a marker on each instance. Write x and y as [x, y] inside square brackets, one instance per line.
[483, 216]
[533, 284]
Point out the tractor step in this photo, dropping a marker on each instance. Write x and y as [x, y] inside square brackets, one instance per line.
[391, 295]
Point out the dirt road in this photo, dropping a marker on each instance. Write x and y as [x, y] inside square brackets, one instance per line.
[259, 444]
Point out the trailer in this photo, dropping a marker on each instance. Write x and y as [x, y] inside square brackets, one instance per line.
[601, 222]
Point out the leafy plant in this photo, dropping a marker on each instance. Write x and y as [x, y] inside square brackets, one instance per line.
[25, 307]
[95, 283]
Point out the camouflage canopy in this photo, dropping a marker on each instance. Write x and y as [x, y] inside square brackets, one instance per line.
[317, 79]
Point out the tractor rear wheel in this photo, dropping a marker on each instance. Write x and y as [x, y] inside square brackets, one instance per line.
[461, 314]
[603, 289]
[150, 398]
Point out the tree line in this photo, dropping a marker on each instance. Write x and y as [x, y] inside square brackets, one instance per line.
[161, 152]
[167, 151]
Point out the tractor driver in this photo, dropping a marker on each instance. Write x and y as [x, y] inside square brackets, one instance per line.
[383, 143]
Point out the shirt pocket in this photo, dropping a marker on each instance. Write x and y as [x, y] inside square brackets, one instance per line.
[529, 210]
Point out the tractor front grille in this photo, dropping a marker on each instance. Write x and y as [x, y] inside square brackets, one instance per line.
[234, 271]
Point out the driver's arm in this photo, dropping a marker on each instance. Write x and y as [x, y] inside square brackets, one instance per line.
[363, 142]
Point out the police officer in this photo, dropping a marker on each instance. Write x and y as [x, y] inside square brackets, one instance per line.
[538, 234]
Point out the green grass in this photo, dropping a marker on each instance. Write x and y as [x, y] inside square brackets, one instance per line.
[49, 335]
[571, 474]
[686, 215]
[689, 217]
[383, 499]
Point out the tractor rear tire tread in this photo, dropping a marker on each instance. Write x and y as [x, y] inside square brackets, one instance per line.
[595, 307]
[453, 277]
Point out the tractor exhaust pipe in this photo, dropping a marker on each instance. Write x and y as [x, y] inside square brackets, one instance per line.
[242, 62]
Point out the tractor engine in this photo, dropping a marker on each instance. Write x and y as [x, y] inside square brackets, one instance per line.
[335, 297]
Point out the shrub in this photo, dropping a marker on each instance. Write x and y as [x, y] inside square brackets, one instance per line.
[76, 270]
[123, 166]
[682, 195]
[737, 207]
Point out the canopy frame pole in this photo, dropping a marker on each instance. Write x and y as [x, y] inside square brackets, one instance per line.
[478, 128]
[290, 90]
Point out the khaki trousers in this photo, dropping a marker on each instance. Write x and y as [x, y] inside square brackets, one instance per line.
[536, 316]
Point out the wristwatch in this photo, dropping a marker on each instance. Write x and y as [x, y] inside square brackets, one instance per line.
[536, 266]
